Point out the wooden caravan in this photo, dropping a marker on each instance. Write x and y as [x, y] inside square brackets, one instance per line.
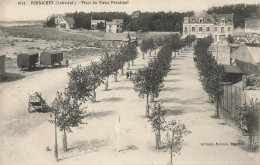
[2, 64]
[51, 58]
[27, 60]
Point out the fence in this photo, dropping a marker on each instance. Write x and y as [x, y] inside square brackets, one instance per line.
[232, 98]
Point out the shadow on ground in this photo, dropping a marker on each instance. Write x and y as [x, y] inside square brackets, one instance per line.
[197, 101]
[171, 89]
[123, 88]
[84, 146]
[112, 99]
[173, 80]
[100, 114]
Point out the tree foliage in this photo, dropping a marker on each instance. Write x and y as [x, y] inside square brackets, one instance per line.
[51, 22]
[249, 119]
[157, 121]
[230, 39]
[174, 137]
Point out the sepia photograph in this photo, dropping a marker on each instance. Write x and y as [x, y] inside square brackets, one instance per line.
[129, 82]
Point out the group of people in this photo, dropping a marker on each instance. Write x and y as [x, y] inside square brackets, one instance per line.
[129, 74]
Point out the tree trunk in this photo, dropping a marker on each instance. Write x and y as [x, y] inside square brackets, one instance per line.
[147, 106]
[143, 55]
[171, 157]
[106, 85]
[64, 140]
[122, 71]
[155, 51]
[150, 53]
[159, 139]
[152, 98]
[156, 141]
[115, 77]
[217, 108]
[94, 96]
[128, 65]
[133, 63]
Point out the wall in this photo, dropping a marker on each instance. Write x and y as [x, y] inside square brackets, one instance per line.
[2, 64]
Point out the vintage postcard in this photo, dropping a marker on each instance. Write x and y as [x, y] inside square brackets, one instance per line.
[129, 82]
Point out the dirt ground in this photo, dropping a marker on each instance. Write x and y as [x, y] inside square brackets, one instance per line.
[24, 136]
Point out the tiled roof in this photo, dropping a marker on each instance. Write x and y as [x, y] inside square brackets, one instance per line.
[252, 24]
[210, 18]
[69, 20]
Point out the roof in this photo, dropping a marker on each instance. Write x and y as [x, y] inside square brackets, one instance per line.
[210, 18]
[98, 21]
[115, 37]
[252, 24]
[69, 20]
[247, 54]
[232, 69]
[217, 18]
[115, 22]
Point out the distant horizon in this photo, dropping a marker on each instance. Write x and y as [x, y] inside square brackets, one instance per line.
[10, 10]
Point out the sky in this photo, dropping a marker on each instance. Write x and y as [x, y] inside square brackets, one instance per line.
[11, 11]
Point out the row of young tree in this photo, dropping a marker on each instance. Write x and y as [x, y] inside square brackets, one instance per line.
[210, 73]
[83, 81]
[152, 44]
[148, 81]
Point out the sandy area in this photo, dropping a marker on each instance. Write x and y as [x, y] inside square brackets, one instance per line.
[24, 137]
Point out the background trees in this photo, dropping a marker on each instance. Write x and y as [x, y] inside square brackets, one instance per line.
[51, 22]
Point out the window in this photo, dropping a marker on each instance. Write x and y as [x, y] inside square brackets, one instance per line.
[223, 21]
[229, 29]
[216, 29]
[208, 29]
[200, 29]
[110, 30]
[222, 29]
[193, 20]
[118, 26]
[193, 29]
[185, 29]
[110, 26]
[201, 20]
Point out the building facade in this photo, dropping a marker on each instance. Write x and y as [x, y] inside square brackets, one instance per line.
[62, 22]
[114, 26]
[202, 24]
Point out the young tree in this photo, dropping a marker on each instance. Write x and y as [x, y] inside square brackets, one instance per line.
[249, 119]
[142, 81]
[106, 66]
[68, 113]
[144, 47]
[157, 121]
[126, 52]
[158, 42]
[95, 77]
[230, 39]
[150, 44]
[174, 137]
[79, 85]
[133, 52]
[116, 65]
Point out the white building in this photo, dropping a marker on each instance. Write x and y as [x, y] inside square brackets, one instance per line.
[114, 26]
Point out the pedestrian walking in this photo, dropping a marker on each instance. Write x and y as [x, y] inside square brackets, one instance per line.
[67, 63]
[130, 74]
[127, 75]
